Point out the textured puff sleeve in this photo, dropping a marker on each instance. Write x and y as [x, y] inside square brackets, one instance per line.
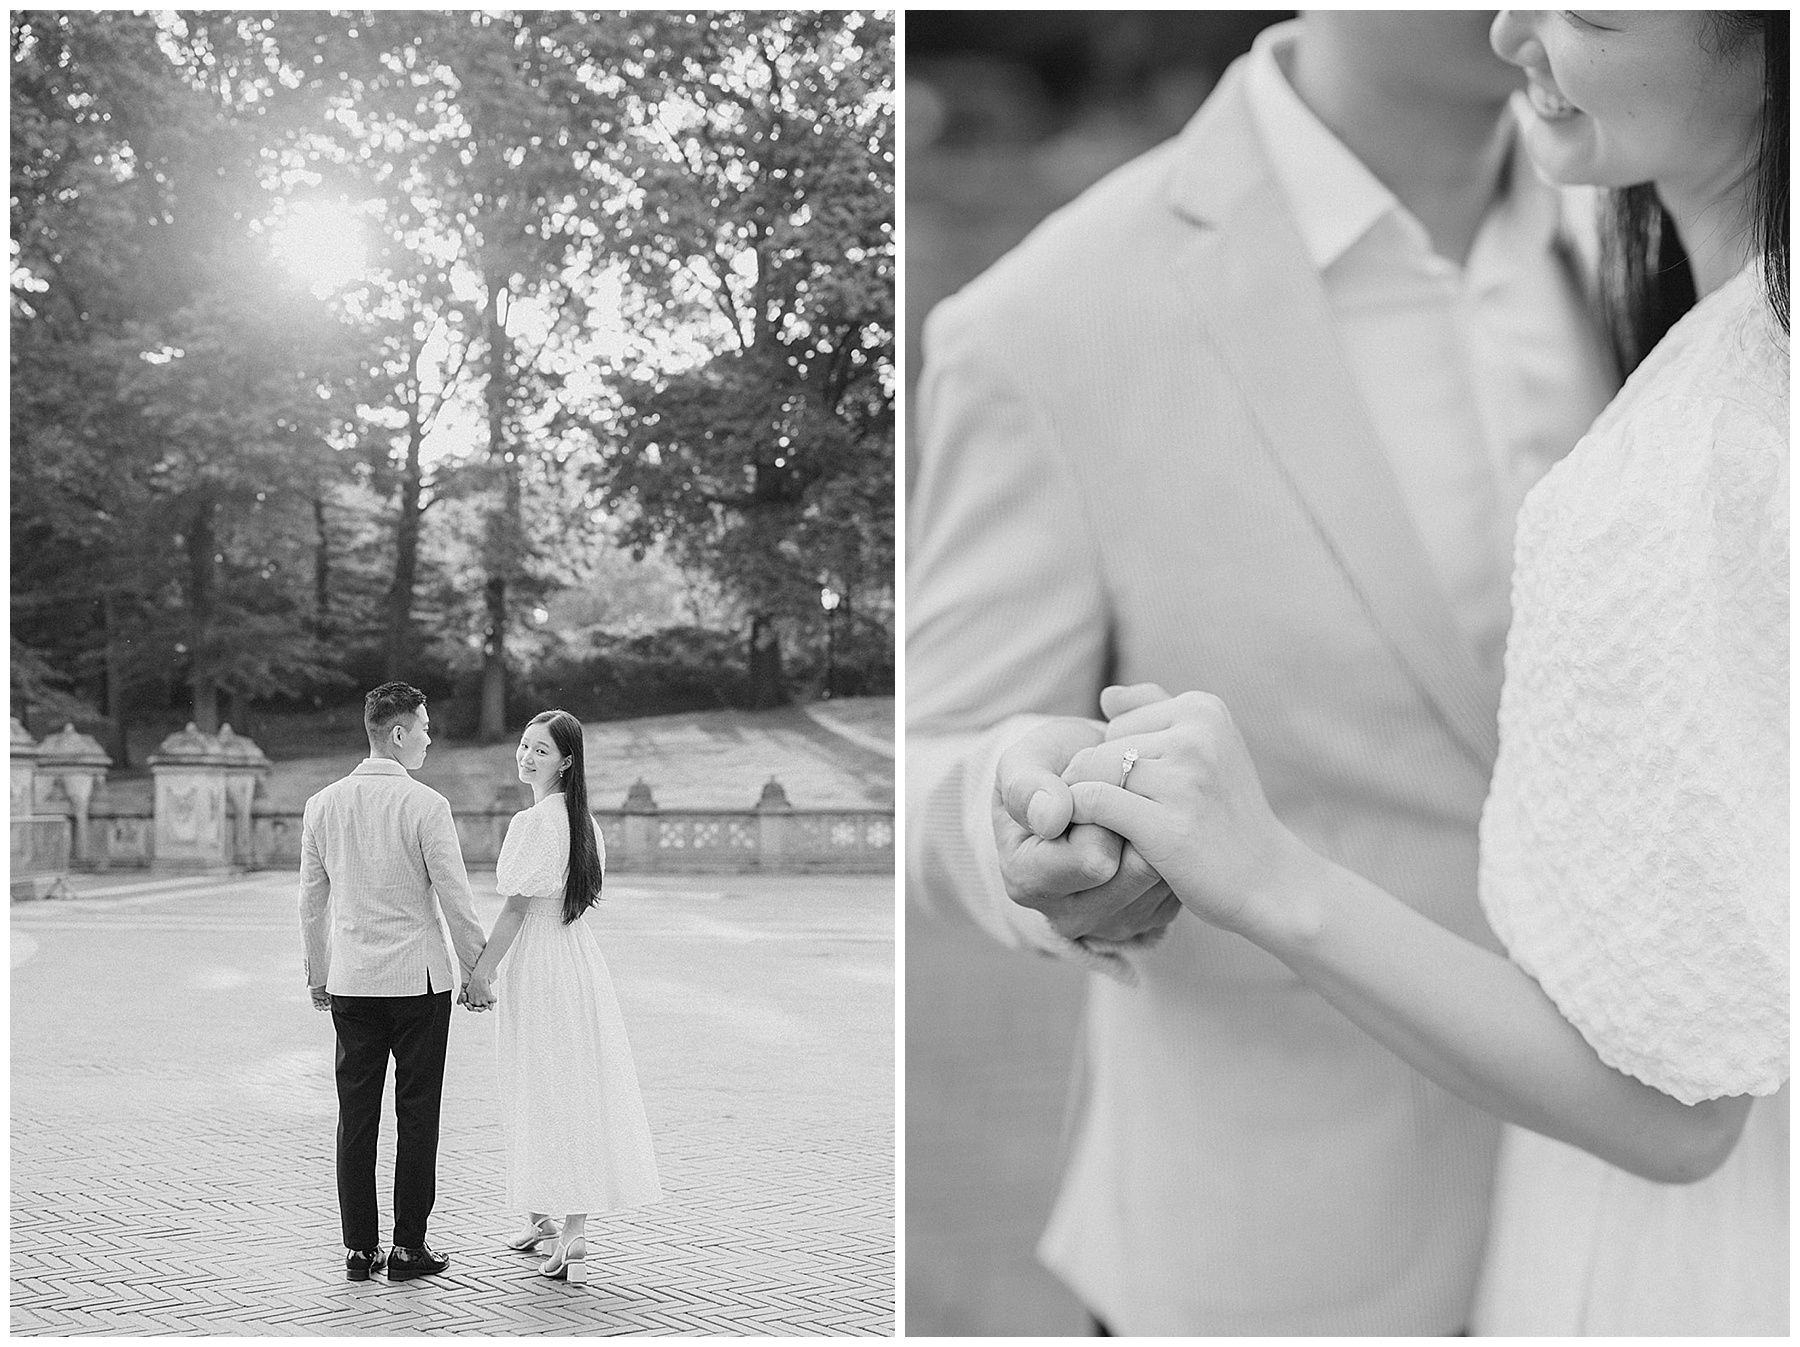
[534, 858]
[1634, 845]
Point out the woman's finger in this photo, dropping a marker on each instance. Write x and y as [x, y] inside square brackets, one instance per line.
[1122, 697]
[1130, 816]
[1107, 762]
[1163, 715]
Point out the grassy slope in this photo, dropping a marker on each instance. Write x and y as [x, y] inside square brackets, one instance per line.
[696, 760]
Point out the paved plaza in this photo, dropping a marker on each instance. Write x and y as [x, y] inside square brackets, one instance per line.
[173, 1118]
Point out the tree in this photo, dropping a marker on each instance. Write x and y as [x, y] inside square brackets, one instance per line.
[242, 422]
[498, 126]
[172, 388]
[221, 483]
[762, 213]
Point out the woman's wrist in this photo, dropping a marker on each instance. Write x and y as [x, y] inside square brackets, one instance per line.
[1286, 912]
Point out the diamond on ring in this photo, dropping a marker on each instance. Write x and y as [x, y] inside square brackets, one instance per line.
[1131, 756]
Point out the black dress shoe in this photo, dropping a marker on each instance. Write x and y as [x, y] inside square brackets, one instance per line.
[405, 1264]
[359, 1263]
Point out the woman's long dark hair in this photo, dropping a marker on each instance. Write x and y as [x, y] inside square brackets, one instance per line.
[1647, 283]
[582, 888]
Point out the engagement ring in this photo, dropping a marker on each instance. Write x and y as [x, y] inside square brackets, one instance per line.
[1131, 756]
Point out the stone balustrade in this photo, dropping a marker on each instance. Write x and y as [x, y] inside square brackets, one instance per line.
[202, 815]
[24, 760]
[42, 839]
[642, 838]
[70, 767]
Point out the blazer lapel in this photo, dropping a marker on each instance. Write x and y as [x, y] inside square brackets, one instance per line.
[1245, 270]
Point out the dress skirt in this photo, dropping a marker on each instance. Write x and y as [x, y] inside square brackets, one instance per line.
[1579, 1248]
[576, 1136]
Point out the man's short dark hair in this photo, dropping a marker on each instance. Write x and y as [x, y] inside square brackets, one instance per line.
[388, 703]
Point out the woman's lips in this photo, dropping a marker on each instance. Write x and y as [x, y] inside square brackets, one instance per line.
[1547, 102]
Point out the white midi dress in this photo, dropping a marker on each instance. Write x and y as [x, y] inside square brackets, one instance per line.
[1634, 848]
[576, 1136]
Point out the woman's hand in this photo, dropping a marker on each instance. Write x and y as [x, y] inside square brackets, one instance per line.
[1193, 806]
[478, 992]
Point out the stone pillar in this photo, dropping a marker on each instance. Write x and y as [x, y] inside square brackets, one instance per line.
[25, 755]
[246, 764]
[191, 832]
[775, 827]
[40, 840]
[640, 829]
[76, 764]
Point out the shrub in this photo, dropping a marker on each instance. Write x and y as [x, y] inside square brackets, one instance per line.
[662, 672]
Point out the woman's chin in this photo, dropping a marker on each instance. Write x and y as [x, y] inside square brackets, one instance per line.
[1559, 153]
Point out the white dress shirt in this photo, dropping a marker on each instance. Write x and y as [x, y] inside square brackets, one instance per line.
[1477, 377]
[374, 847]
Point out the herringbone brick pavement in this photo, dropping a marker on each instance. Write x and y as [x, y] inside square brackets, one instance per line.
[173, 1116]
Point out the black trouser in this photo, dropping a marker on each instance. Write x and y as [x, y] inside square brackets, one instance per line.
[416, 1030]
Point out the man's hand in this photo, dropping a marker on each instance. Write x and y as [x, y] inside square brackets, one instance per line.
[321, 998]
[1084, 879]
[477, 994]
[1196, 807]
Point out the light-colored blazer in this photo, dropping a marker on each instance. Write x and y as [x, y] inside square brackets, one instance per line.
[1145, 459]
[374, 848]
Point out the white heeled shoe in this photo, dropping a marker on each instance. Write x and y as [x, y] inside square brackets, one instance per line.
[533, 1236]
[568, 1262]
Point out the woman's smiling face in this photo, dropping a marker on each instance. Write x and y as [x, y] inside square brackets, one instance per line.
[1622, 97]
[539, 761]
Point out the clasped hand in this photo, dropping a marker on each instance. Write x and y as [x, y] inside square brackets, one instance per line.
[1191, 820]
[1084, 878]
[477, 994]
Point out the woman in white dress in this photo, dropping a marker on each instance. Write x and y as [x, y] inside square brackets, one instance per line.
[1634, 843]
[577, 1141]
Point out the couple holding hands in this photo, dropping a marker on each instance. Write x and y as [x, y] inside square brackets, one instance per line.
[1440, 937]
[375, 849]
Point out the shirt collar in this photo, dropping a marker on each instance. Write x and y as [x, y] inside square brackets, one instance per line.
[379, 767]
[1334, 198]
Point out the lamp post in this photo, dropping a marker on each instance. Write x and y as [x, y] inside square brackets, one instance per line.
[829, 599]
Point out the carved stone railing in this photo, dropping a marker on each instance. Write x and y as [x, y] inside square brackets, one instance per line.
[40, 854]
[671, 841]
[119, 827]
[42, 837]
[123, 834]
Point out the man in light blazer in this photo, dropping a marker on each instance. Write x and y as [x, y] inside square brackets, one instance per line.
[375, 848]
[1253, 415]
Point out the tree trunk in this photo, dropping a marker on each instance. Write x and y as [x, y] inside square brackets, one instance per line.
[767, 685]
[493, 665]
[202, 543]
[406, 553]
[846, 646]
[113, 703]
[321, 573]
[502, 532]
